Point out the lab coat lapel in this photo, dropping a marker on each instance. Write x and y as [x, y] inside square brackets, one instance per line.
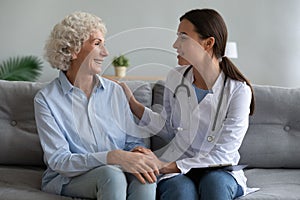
[204, 117]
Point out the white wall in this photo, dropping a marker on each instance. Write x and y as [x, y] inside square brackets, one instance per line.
[267, 33]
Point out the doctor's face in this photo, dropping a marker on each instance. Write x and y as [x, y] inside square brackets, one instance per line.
[188, 43]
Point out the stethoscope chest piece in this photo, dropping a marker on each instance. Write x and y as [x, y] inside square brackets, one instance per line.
[210, 138]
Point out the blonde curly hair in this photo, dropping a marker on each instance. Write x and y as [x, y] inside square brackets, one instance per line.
[67, 37]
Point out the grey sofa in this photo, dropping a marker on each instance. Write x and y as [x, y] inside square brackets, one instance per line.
[271, 147]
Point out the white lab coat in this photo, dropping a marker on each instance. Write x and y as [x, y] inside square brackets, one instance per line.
[196, 145]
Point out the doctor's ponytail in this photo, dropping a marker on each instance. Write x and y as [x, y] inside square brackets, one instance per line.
[234, 73]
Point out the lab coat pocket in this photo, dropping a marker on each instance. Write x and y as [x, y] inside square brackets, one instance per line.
[211, 139]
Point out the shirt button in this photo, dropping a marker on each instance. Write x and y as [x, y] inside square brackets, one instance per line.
[210, 138]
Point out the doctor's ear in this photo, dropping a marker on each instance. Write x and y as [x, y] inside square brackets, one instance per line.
[209, 43]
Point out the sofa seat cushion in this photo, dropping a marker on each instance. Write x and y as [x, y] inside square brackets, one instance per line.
[273, 184]
[23, 184]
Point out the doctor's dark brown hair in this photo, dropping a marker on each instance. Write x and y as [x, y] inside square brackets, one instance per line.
[209, 23]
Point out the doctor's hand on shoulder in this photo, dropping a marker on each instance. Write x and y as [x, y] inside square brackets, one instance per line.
[136, 107]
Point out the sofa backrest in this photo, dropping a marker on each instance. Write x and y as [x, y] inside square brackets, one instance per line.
[273, 136]
[272, 139]
[19, 142]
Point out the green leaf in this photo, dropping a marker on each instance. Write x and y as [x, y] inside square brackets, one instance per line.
[120, 61]
[27, 68]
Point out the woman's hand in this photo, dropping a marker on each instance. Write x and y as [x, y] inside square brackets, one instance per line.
[164, 167]
[127, 90]
[125, 87]
[156, 161]
[142, 165]
[136, 107]
[169, 168]
[141, 149]
[150, 153]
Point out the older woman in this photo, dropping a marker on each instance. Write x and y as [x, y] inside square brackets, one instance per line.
[89, 149]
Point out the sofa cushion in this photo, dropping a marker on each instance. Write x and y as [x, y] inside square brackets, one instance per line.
[273, 137]
[158, 93]
[273, 184]
[157, 142]
[142, 91]
[19, 142]
[23, 183]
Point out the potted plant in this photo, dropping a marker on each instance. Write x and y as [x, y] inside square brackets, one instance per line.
[27, 68]
[120, 63]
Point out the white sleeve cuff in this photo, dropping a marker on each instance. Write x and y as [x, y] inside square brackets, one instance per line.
[145, 120]
[181, 167]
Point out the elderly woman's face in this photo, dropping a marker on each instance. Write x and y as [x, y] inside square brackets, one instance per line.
[92, 53]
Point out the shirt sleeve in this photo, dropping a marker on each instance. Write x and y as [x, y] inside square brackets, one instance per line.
[135, 136]
[57, 154]
[234, 128]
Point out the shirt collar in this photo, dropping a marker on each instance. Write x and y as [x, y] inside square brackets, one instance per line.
[65, 83]
[68, 87]
[100, 82]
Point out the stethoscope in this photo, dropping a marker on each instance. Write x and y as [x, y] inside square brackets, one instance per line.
[183, 85]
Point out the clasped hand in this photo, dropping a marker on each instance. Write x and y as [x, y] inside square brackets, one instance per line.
[144, 164]
[141, 162]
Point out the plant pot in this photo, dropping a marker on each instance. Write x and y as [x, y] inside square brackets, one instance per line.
[120, 71]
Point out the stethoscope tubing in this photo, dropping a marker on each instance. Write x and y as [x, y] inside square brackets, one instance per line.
[182, 84]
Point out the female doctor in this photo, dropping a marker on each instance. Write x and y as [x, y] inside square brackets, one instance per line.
[207, 102]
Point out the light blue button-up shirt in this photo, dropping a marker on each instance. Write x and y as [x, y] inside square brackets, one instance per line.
[76, 133]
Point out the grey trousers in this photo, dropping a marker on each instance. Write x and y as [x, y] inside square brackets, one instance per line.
[109, 183]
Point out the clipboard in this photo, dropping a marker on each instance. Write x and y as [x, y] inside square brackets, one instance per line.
[227, 167]
[195, 173]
